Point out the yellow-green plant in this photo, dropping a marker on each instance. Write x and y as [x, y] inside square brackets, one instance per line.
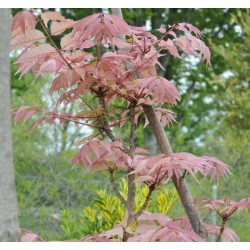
[107, 210]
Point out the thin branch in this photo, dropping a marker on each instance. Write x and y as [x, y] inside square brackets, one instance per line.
[132, 130]
[84, 124]
[131, 152]
[52, 42]
[104, 119]
[218, 212]
[131, 177]
[184, 174]
[150, 191]
[222, 229]
[131, 196]
[224, 220]
[231, 212]
[98, 52]
[106, 127]
[115, 188]
[70, 119]
[157, 42]
[85, 102]
[117, 122]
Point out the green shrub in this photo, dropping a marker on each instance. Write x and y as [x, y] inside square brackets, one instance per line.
[107, 210]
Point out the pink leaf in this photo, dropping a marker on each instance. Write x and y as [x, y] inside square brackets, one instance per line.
[162, 30]
[25, 20]
[188, 28]
[165, 167]
[229, 235]
[185, 44]
[29, 114]
[67, 78]
[87, 44]
[190, 43]
[18, 116]
[165, 116]
[117, 56]
[29, 237]
[225, 207]
[95, 238]
[158, 227]
[100, 155]
[51, 16]
[59, 27]
[160, 218]
[158, 88]
[69, 42]
[121, 44]
[200, 45]
[169, 45]
[35, 52]
[214, 167]
[26, 39]
[141, 151]
[35, 123]
[20, 113]
[116, 231]
[79, 56]
[244, 203]
[172, 34]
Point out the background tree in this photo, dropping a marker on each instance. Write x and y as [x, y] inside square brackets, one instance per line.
[9, 228]
[231, 128]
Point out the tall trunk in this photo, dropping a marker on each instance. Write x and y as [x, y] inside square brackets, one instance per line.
[180, 184]
[8, 201]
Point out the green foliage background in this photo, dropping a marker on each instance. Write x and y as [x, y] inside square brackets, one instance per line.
[58, 203]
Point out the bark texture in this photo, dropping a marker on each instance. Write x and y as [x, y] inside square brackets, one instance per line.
[9, 228]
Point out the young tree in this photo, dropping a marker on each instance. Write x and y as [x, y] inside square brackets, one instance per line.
[122, 66]
[8, 200]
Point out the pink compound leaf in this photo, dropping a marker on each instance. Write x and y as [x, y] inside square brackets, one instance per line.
[158, 89]
[163, 167]
[101, 27]
[100, 155]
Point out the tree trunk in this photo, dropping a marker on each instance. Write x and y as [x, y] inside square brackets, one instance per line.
[180, 185]
[9, 228]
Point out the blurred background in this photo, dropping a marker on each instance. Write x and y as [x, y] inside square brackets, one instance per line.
[213, 118]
